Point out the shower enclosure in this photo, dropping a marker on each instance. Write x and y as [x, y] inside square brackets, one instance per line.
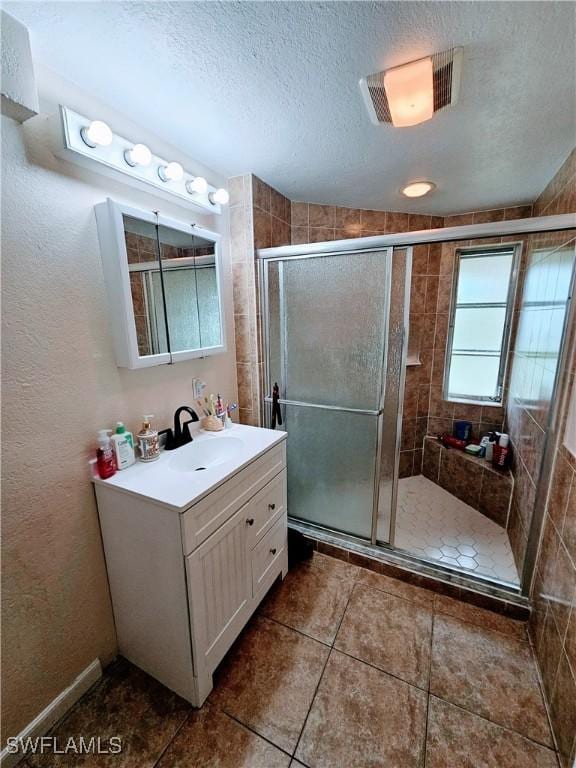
[335, 342]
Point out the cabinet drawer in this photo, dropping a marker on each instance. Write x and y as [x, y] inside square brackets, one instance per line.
[267, 553]
[268, 503]
[205, 517]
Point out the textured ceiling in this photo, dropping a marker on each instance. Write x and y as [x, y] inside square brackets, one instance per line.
[272, 88]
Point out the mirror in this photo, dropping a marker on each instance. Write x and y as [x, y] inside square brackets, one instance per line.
[173, 274]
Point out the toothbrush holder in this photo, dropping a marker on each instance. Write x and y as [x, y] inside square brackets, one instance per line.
[212, 424]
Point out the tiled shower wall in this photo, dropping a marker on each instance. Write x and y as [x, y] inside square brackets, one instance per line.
[425, 411]
[259, 218]
[553, 621]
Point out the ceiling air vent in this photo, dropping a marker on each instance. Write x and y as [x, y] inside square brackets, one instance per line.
[446, 68]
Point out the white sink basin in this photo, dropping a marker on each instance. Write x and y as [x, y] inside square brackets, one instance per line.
[205, 454]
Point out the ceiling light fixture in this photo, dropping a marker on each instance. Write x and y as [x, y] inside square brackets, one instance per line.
[138, 155]
[418, 188]
[410, 92]
[197, 185]
[171, 172]
[413, 92]
[219, 197]
[97, 134]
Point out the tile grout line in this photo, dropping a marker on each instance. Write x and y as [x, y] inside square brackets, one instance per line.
[472, 712]
[255, 732]
[324, 668]
[171, 741]
[449, 615]
[494, 723]
[429, 684]
[547, 705]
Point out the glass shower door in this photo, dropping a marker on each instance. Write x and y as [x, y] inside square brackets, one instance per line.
[327, 322]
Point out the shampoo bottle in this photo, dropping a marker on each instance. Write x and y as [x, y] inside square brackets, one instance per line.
[123, 444]
[105, 459]
[501, 451]
[148, 442]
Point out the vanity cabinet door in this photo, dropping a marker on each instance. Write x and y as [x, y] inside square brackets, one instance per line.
[220, 591]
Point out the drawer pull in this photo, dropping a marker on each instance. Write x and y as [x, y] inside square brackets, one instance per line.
[273, 551]
[250, 521]
[272, 506]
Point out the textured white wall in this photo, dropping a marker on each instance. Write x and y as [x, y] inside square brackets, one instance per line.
[19, 95]
[60, 384]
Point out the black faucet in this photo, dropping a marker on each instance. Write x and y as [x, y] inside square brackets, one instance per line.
[181, 434]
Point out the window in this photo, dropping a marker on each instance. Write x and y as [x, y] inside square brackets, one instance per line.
[479, 332]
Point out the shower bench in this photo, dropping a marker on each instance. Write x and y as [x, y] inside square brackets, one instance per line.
[472, 480]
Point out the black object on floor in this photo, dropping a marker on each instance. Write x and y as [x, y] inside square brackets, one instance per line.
[299, 547]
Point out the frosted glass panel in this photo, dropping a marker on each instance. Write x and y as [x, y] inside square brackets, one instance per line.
[484, 278]
[275, 323]
[335, 310]
[208, 306]
[181, 309]
[474, 376]
[399, 289]
[479, 328]
[331, 464]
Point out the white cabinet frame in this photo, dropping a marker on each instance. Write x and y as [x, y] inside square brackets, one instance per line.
[109, 217]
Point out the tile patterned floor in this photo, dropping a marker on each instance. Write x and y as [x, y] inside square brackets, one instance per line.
[433, 524]
[340, 668]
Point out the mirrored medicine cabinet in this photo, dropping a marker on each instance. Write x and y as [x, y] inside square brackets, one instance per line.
[164, 281]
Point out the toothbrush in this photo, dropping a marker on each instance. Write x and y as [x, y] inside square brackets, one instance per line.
[204, 411]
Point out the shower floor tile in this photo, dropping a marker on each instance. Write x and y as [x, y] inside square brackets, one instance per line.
[433, 524]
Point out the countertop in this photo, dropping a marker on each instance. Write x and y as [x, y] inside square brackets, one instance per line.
[160, 482]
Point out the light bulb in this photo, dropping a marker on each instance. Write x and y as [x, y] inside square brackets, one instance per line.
[418, 189]
[138, 155]
[171, 172]
[220, 197]
[198, 184]
[97, 134]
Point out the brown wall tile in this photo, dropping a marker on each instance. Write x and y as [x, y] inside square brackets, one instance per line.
[299, 216]
[321, 215]
[462, 481]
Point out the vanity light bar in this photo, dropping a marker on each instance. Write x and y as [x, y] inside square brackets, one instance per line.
[93, 144]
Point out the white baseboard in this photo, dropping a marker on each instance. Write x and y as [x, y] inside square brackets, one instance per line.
[55, 710]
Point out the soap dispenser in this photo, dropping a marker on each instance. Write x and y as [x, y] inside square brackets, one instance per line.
[123, 445]
[148, 442]
[105, 458]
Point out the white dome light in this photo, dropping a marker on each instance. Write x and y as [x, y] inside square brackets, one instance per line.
[97, 134]
[198, 185]
[418, 189]
[220, 197]
[138, 155]
[171, 172]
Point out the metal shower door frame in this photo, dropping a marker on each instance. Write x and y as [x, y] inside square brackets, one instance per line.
[266, 399]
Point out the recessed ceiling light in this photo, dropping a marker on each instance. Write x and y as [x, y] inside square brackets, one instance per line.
[418, 189]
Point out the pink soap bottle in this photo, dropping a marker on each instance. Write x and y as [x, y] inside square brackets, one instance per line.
[105, 458]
